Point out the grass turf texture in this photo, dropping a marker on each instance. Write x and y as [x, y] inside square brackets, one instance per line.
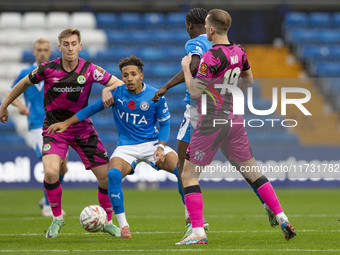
[238, 224]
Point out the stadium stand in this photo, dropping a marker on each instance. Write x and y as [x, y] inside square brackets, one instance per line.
[108, 37]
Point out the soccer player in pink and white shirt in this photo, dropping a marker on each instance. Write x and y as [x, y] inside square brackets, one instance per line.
[68, 83]
[224, 63]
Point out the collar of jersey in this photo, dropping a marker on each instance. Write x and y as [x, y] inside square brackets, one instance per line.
[143, 89]
[61, 64]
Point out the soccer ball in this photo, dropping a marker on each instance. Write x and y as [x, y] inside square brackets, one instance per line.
[93, 218]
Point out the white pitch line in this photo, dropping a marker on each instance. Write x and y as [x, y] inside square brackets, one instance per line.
[180, 232]
[180, 216]
[176, 250]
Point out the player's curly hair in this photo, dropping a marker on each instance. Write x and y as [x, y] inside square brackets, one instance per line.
[196, 16]
[131, 61]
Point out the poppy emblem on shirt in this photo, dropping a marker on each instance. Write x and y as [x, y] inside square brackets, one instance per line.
[144, 105]
[132, 104]
[81, 79]
[203, 69]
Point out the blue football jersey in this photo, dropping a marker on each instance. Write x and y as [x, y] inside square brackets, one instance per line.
[136, 116]
[34, 99]
[197, 46]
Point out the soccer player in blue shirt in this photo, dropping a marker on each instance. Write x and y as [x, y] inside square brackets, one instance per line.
[34, 109]
[136, 117]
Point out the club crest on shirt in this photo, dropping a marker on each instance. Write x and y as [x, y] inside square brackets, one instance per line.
[144, 105]
[47, 147]
[81, 79]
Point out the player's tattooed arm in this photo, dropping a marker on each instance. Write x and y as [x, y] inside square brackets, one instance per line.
[110, 86]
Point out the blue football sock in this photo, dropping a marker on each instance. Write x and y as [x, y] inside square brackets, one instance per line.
[115, 190]
[46, 199]
[61, 178]
[257, 194]
[179, 185]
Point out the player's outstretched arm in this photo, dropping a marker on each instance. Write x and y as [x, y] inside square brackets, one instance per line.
[17, 90]
[106, 93]
[23, 110]
[62, 126]
[177, 79]
[79, 116]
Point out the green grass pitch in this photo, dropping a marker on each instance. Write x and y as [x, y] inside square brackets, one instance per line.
[238, 223]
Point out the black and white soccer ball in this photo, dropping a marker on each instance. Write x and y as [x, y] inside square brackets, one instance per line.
[93, 218]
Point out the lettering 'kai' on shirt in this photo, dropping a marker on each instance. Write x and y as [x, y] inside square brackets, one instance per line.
[222, 64]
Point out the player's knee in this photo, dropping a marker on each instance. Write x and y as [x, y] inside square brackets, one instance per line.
[114, 176]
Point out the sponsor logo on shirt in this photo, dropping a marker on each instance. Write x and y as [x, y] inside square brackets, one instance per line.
[133, 118]
[81, 79]
[69, 89]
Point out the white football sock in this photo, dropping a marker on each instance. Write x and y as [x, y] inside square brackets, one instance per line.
[186, 212]
[279, 216]
[121, 219]
[198, 231]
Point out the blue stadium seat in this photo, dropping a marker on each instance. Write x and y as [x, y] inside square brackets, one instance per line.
[162, 36]
[319, 19]
[303, 36]
[115, 37]
[27, 56]
[153, 20]
[314, 51]
[336, 20]
[149, 53]
[179, 35]
[295, 20]
[326, 69]
[176, 19]
[166, 70]
[175, 53]
[106, 20]
[329, 36]
[113, 54]
[130, 19]
[140, 37]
